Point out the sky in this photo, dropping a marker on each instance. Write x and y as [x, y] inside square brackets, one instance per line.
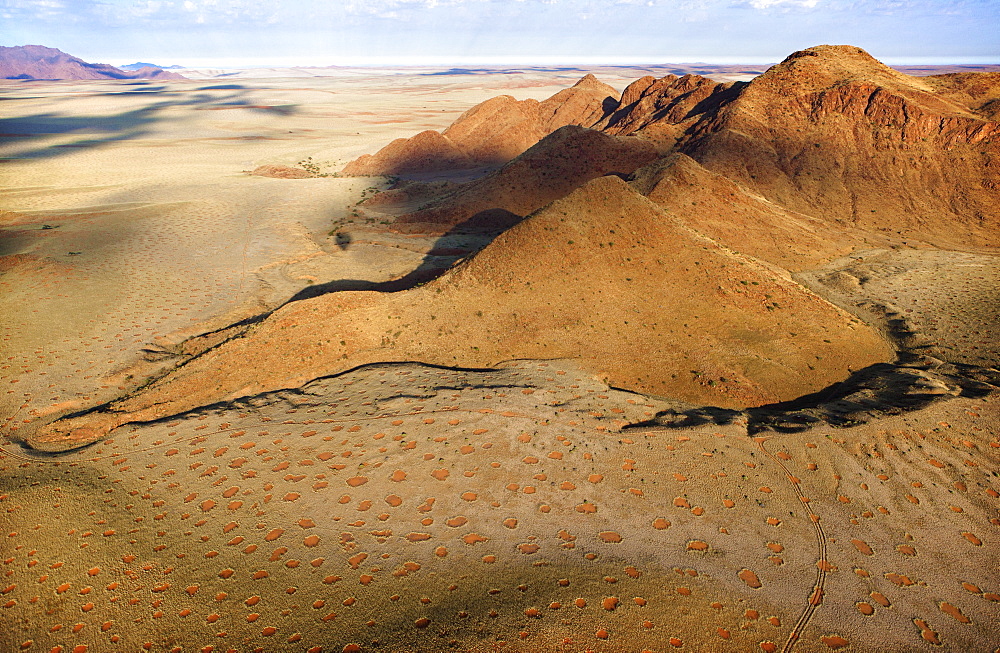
[455, 32]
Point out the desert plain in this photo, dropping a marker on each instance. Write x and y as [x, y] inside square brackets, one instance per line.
[646, 385]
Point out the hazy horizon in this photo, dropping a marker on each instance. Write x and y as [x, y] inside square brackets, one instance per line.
[282, 33]
[281, 62]
[499, 62]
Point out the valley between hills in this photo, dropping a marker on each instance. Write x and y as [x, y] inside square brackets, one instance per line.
[516, 362]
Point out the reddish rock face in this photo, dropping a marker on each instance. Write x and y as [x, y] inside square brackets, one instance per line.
[833, 133]
[635, 90]
[670, 100]
[559, 163]
[497, 130]
[830, 138]
[584, 104]
[830, 133]
[427, 150]
[490, 133]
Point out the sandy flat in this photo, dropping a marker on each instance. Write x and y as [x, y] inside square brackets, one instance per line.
[401, 507]
[942, 303]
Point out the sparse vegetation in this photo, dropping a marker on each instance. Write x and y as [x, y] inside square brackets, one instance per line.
[315, 168]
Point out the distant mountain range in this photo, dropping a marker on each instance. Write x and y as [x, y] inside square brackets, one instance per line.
[40, 62]
[139, 65]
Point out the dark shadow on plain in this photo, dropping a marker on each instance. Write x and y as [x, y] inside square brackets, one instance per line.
[20, 135]
[224, 87]
[911, 383]
[459, 242]
[474, 71]
[678, 418]
[499, 71]
[145, 89]
[280, 109]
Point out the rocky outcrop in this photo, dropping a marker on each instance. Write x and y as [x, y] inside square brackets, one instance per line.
[716, 207]
[491, 133]
[669, 100]
[554, 167]
[495, 131]
[152, 72]
[584, 104]
[830, 138]
[829, 133]
[427, 151]
[280, 172]
[833, 133]
[979, 92]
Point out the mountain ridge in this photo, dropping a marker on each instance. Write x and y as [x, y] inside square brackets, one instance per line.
[489, 134]
[44, 63]
[738, 331]
[139, 65]
[662, 260]
[830, 133]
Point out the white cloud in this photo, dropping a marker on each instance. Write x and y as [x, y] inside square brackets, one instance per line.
[33, 8]
[40, 5]
[232, 12]
[767, 4]
[162, 12]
